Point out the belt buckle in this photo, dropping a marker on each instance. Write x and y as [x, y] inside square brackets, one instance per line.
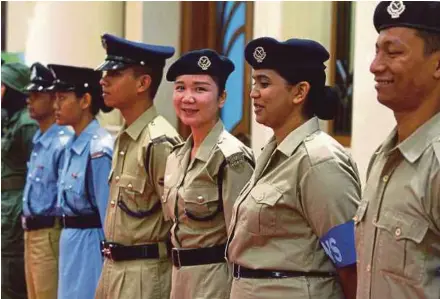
[238, 271]
[175, 254]
[107, 251]
[24, 222]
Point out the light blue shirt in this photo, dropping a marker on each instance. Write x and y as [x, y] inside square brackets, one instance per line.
[83, 190]
[44, 167]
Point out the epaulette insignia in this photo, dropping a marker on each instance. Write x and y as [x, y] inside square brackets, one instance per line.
[236, 159]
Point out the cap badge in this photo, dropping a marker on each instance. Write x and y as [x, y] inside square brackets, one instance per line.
[40, 88]
[395, 9]
[259, 54]
[204, 63]
[34, 73]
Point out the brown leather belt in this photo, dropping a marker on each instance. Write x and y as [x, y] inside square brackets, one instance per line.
[182, 257]
[38, 222]
[118, 252]
[243, 272]
[81, 222]
[13, 183]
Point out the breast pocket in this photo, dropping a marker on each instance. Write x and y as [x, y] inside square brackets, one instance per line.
[401, 250]
[201, 203]
[262, 218]
[131, 189]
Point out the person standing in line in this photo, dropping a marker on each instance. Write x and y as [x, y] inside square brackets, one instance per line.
[17, 132]
[203, 178]
[398, 220]
[136, 263]
[291, 233]
[83, 189]
[40, 219]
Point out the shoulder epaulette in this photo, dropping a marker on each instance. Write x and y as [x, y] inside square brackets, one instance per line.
[101, 144]
[232, 149]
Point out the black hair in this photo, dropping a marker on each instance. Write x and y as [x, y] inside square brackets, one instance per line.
[13, 100]
[431, 41]
[97, 99]
[155, 72]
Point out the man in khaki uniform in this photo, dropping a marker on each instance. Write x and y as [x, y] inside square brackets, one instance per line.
[136, 262]
[203, 178]
[291, 233]
[398, 221]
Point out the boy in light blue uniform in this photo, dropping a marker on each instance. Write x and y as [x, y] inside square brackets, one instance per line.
[83, 187]
[40, 217]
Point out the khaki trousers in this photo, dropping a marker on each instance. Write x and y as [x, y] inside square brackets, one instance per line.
[41, 252]
[211, 281]
[140, 279]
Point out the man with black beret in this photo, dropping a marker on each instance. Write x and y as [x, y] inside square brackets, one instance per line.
[39, 220]
[136, 261]
[398, 221]
[17, 134]
[291, 233]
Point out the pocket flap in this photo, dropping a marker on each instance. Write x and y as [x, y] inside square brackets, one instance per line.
[201, 195]
[131, 183]
[403, 226]
[265, 193]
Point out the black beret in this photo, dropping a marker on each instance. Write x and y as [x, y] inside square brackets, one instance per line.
[424, 15]
[41, 78]
[205, 62]
[72, 78]
[122, 53]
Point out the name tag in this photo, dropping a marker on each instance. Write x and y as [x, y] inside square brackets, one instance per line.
[339, 245]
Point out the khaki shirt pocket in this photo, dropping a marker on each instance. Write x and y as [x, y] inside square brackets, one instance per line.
[201, 203]
[401, 251]
[131, 190]
[263, 216]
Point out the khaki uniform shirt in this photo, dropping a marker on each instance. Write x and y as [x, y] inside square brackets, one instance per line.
[398, 220]
[136, 181]
[193, 186]
[300, 189]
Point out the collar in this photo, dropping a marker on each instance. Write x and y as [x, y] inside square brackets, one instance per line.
[294, 139]
[45, 139]
[80, 142]
[207, 145]
[136, 128]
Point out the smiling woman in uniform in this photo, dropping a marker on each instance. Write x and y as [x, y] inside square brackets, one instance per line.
[203, 178]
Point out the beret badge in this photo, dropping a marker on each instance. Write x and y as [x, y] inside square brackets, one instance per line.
[395, 9]
[204, 63]
[259, 54]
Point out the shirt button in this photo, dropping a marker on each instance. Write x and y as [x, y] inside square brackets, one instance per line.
[368, 268]
[112, 203]
[200, 198]
[117, 178]
[34, 154]
[355, 218]
[70, 187]
[24, 198]
[130, 186]
[37, 179]
[122, 153]
[385, 178]
[398, 232]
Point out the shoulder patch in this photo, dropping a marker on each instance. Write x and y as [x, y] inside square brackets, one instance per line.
[436, 146]
[101, 144]
[232, 149]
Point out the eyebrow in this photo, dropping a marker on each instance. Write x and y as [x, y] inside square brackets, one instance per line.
[194, 83]
[259, 77]
[391, 42]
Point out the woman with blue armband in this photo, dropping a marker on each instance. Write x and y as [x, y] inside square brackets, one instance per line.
[291, 233]
[83, 188]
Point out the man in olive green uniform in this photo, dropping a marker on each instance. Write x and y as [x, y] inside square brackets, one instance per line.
[136, 261]
[398, 220]
[16, 148]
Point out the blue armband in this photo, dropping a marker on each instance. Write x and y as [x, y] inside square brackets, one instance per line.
[338, 244]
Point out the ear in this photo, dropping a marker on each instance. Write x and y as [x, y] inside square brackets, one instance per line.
[222, 99]
[302, 90]
[437, 65]
[86, 101]
[143, 83]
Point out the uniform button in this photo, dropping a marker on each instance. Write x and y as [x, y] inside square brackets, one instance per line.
[368, 268]
[30, 175]
[385, 179]
[61, 132]
[163, 199]
[112, 202]
[117, 178]
[34, 154]
[130, 186]
[37, 179]
[70, 187]
[398, 232]
[122, 153]
[200, 198]
[24, 198]
[355, 218]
